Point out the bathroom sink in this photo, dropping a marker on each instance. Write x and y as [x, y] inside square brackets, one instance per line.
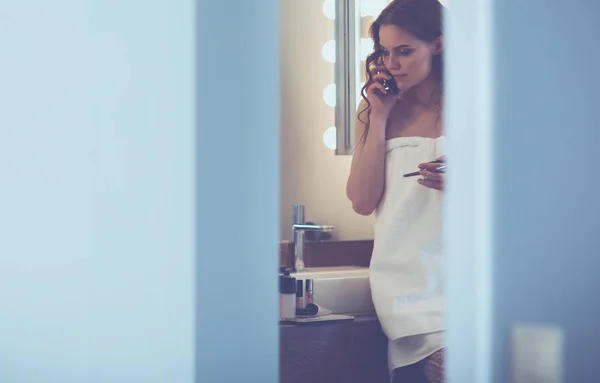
[343, 289]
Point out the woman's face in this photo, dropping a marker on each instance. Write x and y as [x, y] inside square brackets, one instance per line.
[406, 57]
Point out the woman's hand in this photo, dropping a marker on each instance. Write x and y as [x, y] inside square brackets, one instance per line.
[431, 177]
[381, 102]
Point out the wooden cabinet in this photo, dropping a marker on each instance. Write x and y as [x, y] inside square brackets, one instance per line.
[333, 352]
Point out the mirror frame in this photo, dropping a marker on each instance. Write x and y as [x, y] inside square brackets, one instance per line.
[347, 73]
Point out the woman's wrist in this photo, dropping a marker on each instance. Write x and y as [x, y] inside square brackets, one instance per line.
[378, 116]
[377, 124]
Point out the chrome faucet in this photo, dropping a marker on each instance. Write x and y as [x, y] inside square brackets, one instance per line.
[299, 227]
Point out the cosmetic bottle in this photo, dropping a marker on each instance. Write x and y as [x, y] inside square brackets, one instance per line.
[308, 297]
[299, 294]
[287, 296]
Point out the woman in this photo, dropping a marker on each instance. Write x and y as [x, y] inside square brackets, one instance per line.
[399, 134]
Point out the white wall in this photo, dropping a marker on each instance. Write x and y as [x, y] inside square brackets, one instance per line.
[97, 204]
[311, 174]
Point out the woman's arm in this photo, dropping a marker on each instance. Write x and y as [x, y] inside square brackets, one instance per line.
[367, 173]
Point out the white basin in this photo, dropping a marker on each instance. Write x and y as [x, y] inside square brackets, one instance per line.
[343, 289]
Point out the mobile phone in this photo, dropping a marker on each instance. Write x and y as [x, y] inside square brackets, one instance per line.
[390, 85]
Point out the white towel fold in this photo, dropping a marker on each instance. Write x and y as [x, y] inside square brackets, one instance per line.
[406, 272]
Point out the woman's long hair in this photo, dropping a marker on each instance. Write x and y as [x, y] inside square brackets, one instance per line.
[422, 19]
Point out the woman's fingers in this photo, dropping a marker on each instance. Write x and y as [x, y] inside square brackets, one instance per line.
[432, 166]
[376, 86]
[432, 184]
[432, 175]
[381, 76]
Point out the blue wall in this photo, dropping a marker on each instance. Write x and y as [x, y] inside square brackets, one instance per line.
[523, 196]
[238, 79]
[97, 178]
[547, 226]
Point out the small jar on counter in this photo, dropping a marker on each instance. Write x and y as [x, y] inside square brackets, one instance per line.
[287, 296]
[308, 297]
[299, 294]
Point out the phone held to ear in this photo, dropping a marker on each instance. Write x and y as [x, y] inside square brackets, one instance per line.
[390, 86]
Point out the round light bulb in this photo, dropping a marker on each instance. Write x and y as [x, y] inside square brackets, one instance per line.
[328, 51]
[329, 9]
[330, 138]
[329, 95]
